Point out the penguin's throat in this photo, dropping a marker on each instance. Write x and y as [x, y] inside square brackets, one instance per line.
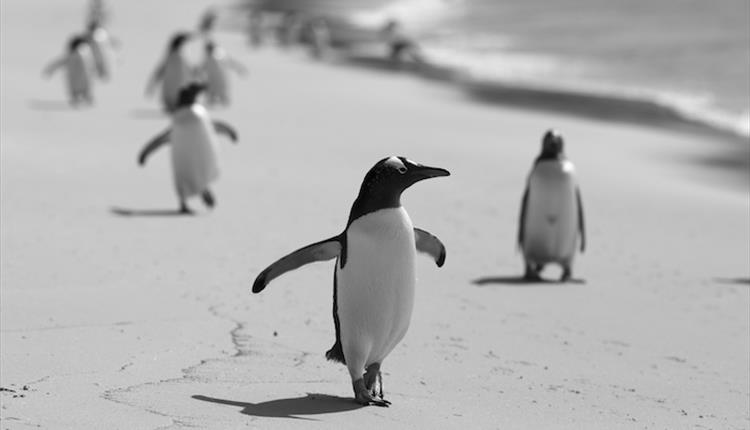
[369, 201]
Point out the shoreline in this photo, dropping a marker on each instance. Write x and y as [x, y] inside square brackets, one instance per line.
[732, 143]
[730, 152]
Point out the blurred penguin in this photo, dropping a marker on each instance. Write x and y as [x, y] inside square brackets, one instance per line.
[255, 27]
[288, 31]
[173, 72]
[194, 147]
[551, 222]
[98, 11]
[77, 64]
[102, 46]
[207, 23]
[214, 71]
[400, 45]
[320, 38]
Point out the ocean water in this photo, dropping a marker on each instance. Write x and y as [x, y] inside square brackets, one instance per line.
[692, 56]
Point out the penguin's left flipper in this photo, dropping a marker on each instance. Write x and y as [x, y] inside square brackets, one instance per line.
[224, 128]
[581, 223]
[320, 251]
[430, 244]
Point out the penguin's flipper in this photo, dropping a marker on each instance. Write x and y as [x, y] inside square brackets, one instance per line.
[430, 244]
[581, 223]
[157, 76]
[522, 217]
[53, 66]
[153, 145]
[320, 251]
[223, 128]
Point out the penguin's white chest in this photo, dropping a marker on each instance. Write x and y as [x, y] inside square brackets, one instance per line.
[375, 289]
[194, 157]
[551, 227]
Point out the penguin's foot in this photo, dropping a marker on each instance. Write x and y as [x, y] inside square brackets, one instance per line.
[531, 274]
[363, 396]
[208, 199]
[184, 209]
[566, 274]
[374, 380]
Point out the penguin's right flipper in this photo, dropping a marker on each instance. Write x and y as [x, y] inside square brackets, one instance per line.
[224, 128]
[320, 251]
[153, 145]
[581, 223]
[430, 244]
[155, 78]
[522, 217]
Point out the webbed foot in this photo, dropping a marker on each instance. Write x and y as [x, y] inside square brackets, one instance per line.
[363, 396]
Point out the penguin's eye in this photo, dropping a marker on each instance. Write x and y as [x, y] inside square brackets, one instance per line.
[402, 170]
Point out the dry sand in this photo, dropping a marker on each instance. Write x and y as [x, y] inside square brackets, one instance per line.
[147, 322]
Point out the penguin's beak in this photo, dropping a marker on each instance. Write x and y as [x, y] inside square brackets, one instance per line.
[425, 172]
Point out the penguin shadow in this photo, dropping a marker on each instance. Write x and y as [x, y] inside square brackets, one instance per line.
[127, 212]
[736, 281]
[521, 281]
[50, 105]
[310, 404]
[143, 113]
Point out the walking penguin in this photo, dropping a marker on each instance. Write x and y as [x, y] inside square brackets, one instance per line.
[173, 72]
[78, 70]
[193, 139]
[375, 276]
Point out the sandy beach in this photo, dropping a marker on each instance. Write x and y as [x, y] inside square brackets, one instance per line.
[147, 321]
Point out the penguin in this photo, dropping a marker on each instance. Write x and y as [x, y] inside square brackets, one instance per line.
[193, 138]
[102, 49]
[551, 222]
[78, 70]
[207, 22]
[215, 72]
[173, 72]
[374, 277]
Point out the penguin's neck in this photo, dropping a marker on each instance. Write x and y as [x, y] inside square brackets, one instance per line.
[368, 202]
[549, 156]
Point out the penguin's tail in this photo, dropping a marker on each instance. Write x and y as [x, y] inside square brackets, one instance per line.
[336, 353]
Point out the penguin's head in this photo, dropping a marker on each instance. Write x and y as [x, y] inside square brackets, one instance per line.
[94, 25]
[178, 40]
[552, 144]
[386, 180]
[76, 42]
[189, 94]
[210, 47]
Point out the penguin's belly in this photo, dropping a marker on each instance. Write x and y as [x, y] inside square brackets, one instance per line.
[550, 231]
[376, 287]
[101, 53]
[194, 158]
[78, 74]
[216, 78]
